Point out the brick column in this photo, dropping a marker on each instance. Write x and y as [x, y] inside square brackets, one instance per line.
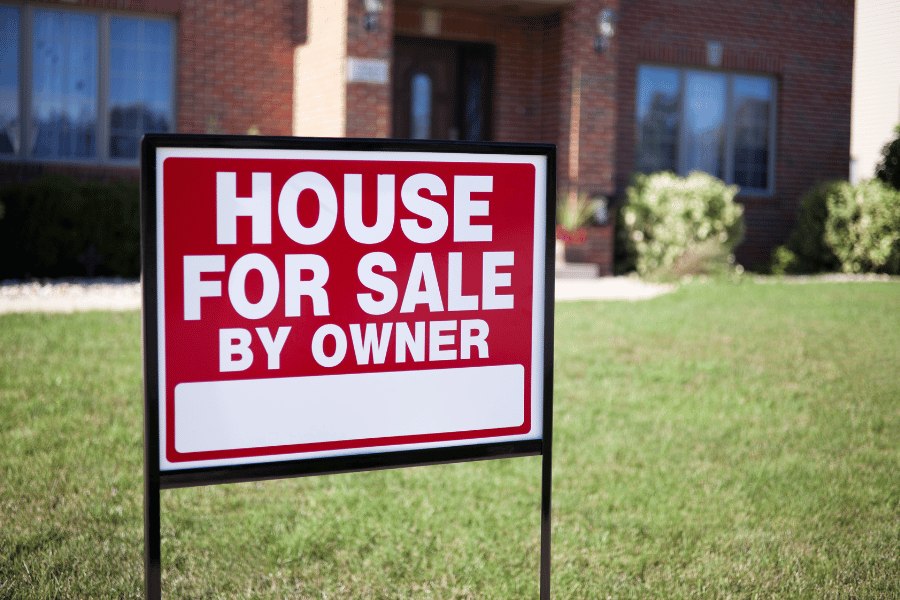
[369, 98]
[587, 136]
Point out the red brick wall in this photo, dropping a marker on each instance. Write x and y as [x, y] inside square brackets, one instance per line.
[369, 104]
[551, 72]
[598, 108]
[806, 45]
[517, 81]
[235, 66]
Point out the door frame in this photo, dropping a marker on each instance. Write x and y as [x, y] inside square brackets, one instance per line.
[467, 53]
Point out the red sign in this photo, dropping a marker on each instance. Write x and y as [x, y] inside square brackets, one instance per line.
[324, 303]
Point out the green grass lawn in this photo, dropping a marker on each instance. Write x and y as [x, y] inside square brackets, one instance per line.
[724, 441]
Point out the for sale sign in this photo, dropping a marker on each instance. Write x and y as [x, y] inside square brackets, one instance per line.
[313, 300]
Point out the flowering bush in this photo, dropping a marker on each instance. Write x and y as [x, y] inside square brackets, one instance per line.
[863, 227]
[680, 225]
[854, 228]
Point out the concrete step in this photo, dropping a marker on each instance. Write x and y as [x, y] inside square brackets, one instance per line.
[576, 271]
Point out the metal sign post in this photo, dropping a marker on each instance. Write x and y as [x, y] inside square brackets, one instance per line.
[326, 306]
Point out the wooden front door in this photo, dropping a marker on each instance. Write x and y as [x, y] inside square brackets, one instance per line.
[442, 89]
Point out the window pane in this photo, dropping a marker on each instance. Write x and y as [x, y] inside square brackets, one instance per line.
[704, 122]
[421, 106]
[124, 30]
[140, 82]
[9, 80]
[158, 34]
[657, 119]
[64, 89]
[752, 103]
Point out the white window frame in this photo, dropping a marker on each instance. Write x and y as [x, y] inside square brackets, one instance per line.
[728, 162]
[26, 66]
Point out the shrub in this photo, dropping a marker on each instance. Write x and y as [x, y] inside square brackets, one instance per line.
[863, 227]
[853, 228]
[888, 169]
[806, 250]
[54, 225]
[674, 226]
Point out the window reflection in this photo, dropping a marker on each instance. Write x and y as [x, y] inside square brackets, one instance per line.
[657, 115]
[705, 123]
[64, 88]
[140, 83]
[9, 80]
[421, 106]
[752, 97]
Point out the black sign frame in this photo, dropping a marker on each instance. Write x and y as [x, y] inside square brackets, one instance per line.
[156, 480]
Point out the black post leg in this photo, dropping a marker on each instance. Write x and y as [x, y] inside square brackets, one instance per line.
[545, 522]
[152, 570]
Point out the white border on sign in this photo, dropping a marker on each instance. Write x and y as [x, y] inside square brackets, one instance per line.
[537, 343]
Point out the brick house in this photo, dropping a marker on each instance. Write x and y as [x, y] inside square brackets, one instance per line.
[754, 91]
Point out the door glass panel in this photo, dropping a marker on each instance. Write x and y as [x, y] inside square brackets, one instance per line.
[474, 130]
[657, 119]
[752, 103]
[704, 122]
[64, 89]
[421, 106]
[9, 80]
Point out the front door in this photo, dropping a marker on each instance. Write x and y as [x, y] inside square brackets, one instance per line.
[442, 89]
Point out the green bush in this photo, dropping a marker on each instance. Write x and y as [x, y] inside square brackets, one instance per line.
[806, 250]
[54, 226]
[888, 169]
[672, 226]
[863, 227]
[851, 228]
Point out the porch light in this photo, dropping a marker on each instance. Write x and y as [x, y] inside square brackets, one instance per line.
[372, 8]
[606, 29]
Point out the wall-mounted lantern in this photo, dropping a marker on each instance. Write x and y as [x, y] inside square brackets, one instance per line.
[606, 29]
[373, 8]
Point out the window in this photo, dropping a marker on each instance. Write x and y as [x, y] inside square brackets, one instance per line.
[694, 120]
[82, 86]
[9, 80]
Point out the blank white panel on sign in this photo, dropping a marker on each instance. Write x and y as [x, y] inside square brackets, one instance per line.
[254, 413]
